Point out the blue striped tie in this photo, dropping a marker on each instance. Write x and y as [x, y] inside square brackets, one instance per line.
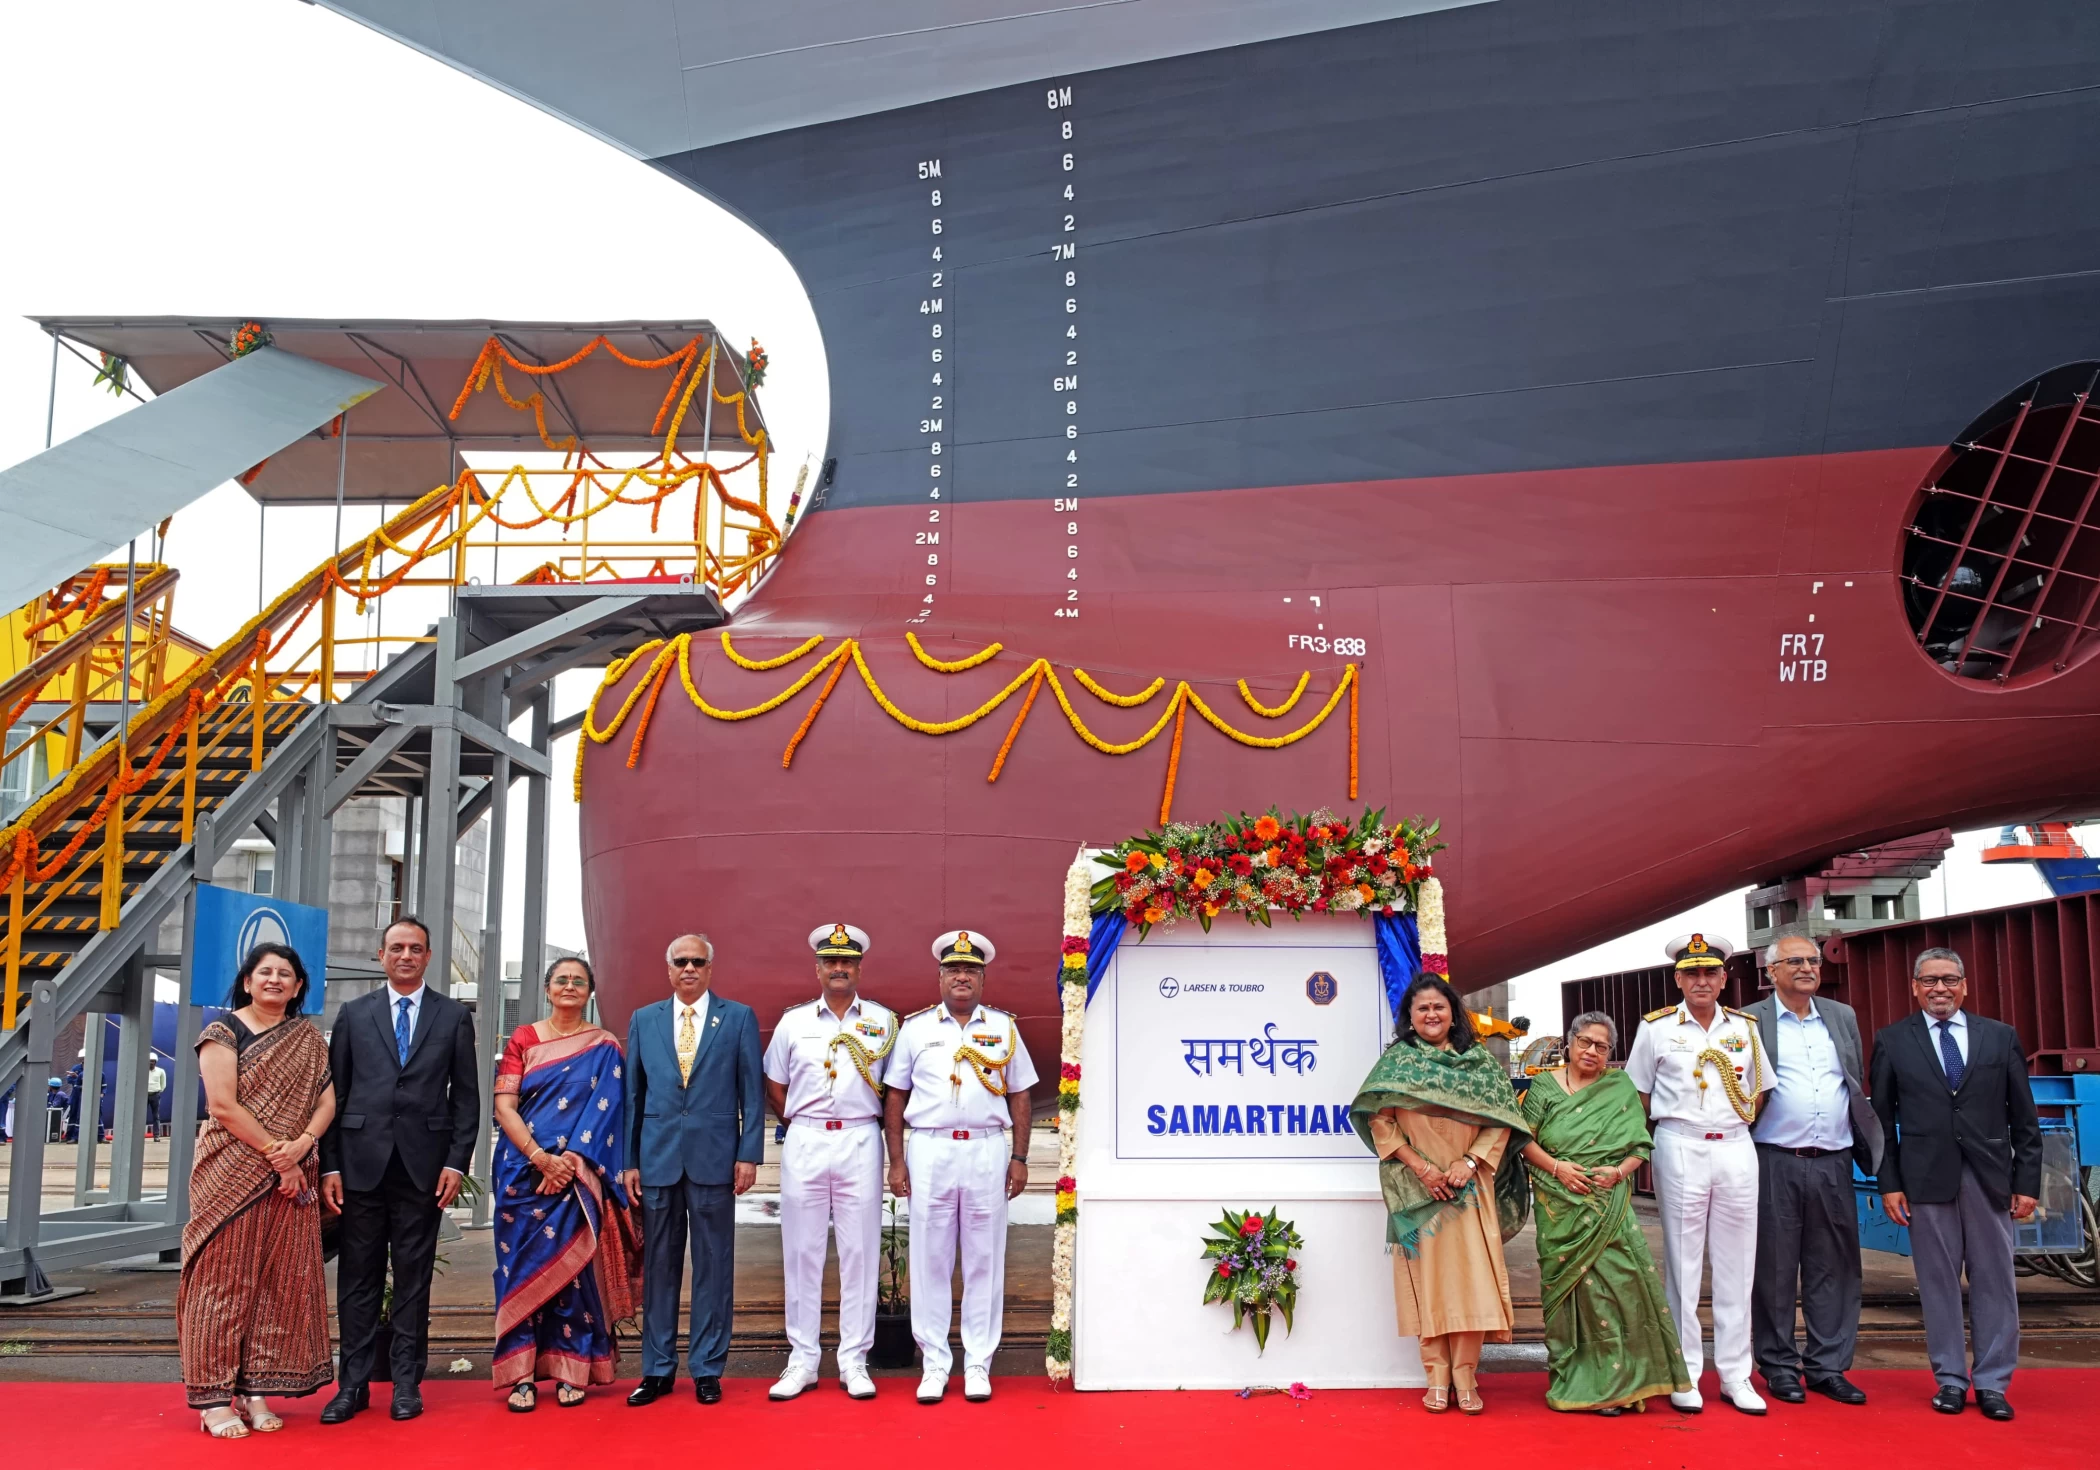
[401, 1030]
[1950, 1054]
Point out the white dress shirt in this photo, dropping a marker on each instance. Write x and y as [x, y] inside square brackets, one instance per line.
[821, 1081]
[1810, 1102]
[415, 1008]
[1664, 1063]
[946, 1092]
[1958, 1028]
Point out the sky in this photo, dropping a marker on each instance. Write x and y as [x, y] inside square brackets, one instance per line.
[266, 157]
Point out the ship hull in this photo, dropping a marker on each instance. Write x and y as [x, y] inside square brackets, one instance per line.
[1585, 362]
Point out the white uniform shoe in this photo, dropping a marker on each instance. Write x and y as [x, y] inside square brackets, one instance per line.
[855, 1380]
[1687, 1402]
[1740, 1395]
[977, 1384]
[932, 1384]
[792, 1382]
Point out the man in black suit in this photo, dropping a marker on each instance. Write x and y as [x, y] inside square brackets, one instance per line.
[407, 1112]
[1963, 1161]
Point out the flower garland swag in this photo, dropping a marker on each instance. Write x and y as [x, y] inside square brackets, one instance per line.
[1251, 866]
[1256, 1271]
[1072, 995]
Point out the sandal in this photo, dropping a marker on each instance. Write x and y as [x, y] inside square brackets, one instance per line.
[1437, 1398]
[524, 1398]
[1469, 1400]
[257, 1413]
[230, 1427]
[563, 1392]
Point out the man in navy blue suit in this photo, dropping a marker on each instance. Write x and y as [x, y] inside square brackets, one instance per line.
[695, 1134]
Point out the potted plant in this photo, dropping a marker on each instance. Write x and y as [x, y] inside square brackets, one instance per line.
[894, 1346]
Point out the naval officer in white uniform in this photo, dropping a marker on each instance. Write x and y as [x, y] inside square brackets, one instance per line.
[824, 1073]
[1702, 1073]
[959, 1082]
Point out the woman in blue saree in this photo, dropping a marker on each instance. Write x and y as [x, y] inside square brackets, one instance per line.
[567, 1250]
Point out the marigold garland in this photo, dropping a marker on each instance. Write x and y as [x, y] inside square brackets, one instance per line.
[1057, 1357]
[950, 666]
[1127, 701]
[1277, 712]
[760, 665]
[677, 652]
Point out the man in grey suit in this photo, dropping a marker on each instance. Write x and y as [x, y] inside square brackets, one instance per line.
[1964, 1161]
[1816, 1124]
[695, 1134]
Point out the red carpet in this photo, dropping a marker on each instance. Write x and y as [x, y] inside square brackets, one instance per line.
[1026, 1426]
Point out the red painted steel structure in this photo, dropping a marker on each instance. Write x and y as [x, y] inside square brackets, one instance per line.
[2035, 966]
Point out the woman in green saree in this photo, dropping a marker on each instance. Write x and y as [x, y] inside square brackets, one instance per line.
[1610, 1340]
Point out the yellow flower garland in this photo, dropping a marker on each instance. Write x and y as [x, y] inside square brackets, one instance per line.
[1280, 710]
[947, 666]
[676, 652]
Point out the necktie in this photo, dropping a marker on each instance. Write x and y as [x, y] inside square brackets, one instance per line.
[401, 1030]
[688, 1044]
[1950, 1054]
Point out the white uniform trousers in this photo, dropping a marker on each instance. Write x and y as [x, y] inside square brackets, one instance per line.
[1706, 1193]
[831, 1180]
[958, 1198]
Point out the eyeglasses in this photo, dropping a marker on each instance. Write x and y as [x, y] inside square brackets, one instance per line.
[688, 962]
[1939, 982]
[1799, 962]
[1585, 1043]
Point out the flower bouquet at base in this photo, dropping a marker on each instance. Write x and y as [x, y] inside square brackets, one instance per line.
[1255, 1269]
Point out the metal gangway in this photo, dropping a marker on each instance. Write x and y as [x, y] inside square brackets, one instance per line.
[163, 754]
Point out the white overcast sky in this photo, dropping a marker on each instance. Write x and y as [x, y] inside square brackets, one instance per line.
[266, 158]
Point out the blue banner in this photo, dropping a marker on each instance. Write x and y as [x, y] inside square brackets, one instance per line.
[230, 923]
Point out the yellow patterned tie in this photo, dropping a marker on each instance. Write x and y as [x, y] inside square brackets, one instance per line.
[688, 1045]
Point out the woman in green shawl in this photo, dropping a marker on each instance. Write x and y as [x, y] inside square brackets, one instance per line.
[1610, 1340]
[1438, 1111]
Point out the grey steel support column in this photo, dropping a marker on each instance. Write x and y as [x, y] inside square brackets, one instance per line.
[90, 1141]
[25, 1181]
[182, 1076]
[291, 841]
[490, 1030]
[127, 1149]
[316, 827]
[532, 960]
[410, 893]
[440, 802]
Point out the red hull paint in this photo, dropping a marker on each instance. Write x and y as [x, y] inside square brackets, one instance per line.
[1576, 670]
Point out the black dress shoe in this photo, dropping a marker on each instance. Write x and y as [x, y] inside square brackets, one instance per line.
[346, 1403]
[408, 1402]
[1837, 1386]
[708, 1390]
[1785, 1387]
[1950, 1401]
[1992, 1405]
[648, 1391]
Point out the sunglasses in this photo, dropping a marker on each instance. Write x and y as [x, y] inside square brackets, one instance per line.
[687, 962]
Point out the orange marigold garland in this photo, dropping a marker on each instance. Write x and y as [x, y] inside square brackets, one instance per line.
[1071, 974]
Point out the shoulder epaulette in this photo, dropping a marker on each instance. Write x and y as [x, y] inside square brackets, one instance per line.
[922, 1011]
[1659, 1014]
[1731, 1010]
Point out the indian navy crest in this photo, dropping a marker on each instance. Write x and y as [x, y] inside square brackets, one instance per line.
[1320, 988]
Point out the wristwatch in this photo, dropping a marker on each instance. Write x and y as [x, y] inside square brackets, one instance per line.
[1021, 1159]
[1472, 1163]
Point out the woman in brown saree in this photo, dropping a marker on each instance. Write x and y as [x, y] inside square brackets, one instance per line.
[252, 1309]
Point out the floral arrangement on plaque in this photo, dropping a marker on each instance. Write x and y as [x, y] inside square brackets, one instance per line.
[1256, 866]
[1255, 1269]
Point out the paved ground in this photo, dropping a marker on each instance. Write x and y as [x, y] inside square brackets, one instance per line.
[124, 1329]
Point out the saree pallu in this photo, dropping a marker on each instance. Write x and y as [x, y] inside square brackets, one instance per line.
[252, 1306]
[1610, 1339]
[1468, 1087]
[566, 1264]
